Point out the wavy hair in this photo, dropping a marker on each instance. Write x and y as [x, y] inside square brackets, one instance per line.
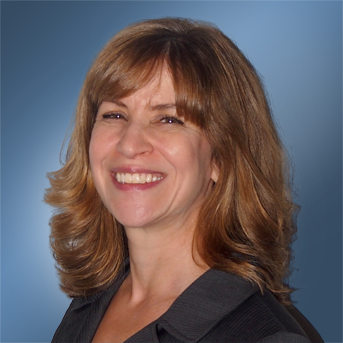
[247, 223]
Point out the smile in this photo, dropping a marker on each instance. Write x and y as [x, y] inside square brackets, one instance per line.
[137, 178]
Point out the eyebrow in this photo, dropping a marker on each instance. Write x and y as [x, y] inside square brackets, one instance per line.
[162, 107]
[157, 107]
[118, 103]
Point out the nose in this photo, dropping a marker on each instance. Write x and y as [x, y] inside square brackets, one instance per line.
[134, 141]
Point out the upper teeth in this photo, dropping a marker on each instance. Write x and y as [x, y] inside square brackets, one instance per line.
[137, 178]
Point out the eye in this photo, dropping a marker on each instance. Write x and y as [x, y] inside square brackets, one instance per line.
[172, 120]
[113, 115]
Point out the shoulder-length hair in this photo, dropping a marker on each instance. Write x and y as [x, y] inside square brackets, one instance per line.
[246, 225]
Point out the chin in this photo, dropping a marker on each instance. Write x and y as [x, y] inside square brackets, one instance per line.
[133, 221]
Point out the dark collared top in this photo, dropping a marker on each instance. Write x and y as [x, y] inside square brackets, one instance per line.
[217, 307]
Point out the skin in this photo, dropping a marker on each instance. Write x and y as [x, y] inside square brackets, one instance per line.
[142, 134]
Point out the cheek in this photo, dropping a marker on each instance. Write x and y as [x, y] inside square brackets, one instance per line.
[94, 149]
[100, 147]
[94, 162]
[98, 152]
[199, 151]
[191, 154]
[203, 155]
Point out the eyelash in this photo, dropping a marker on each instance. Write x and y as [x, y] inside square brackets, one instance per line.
[166, 119]
[113, 115]
[172, 120]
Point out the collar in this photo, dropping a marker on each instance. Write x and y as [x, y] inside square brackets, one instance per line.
[204, 303]
[80, 302]
[193, 314]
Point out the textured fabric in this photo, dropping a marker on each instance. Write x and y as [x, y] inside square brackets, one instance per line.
[217, 307]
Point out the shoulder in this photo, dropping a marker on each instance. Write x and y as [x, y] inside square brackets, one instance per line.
[284, 337]
[259, 318]
[223, 307]
[84, 315]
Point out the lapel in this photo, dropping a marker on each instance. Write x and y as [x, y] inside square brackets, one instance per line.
[88, 312]
[192, 315]
[204, 303]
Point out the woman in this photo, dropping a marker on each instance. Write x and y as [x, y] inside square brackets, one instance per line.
[174, 218]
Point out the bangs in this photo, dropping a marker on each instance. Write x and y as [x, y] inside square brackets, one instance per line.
[119, 73]
[122, 77]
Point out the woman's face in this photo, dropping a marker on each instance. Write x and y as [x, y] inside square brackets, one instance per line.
[149, 167]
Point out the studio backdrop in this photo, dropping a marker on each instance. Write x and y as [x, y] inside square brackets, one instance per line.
[46, 50]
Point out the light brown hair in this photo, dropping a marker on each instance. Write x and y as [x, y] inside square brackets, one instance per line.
[246, 225]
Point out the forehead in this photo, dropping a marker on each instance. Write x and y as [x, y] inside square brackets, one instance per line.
[158, 92]
[151, 84]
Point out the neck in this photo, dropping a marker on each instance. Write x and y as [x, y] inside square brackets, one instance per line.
[161, 262]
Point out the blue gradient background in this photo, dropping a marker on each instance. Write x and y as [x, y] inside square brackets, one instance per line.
[46, 49]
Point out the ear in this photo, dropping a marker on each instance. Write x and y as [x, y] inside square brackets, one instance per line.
[215, 173]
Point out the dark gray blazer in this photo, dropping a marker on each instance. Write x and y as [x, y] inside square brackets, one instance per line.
[217, 307]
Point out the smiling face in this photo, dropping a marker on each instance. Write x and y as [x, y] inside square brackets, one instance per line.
[150, 167]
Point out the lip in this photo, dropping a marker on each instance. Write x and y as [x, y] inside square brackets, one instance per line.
[135, 186]
[138, 170]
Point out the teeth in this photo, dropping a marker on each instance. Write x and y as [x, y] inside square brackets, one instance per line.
[118, 177]
[137, 178]
[127, 178]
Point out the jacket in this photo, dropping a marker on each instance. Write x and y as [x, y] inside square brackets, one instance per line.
[217, 307]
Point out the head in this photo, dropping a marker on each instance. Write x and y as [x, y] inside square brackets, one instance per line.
[216, 87]
[218, 90]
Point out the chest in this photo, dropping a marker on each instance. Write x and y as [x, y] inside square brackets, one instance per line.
[122, 321]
